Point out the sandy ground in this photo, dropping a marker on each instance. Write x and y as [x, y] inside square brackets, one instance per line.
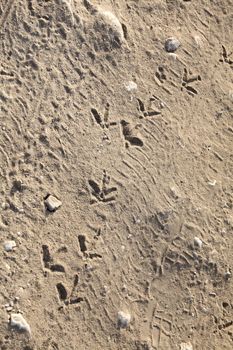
[137, 145]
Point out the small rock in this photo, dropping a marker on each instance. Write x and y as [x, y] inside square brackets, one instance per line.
[17, 321]
[198, 242]
[227, 275]
[9, 245]
[5, 206]
[172, 55]
[175, 192]
[52, 203]
[186, 346]
[171, 44]
[198, 41]
[123, 319]
[113, 22]
[131, 86]
[9, 308]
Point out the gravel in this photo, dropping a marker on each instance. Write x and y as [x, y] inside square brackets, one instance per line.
[123, 319]
[171, 44]
[52, 203]
[18, 322]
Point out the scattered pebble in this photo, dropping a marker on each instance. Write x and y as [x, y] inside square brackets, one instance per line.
[172, 55]
[5, 206]
[131, 86]
[8, 307]
[198, 242]
[113, 22]
[123, 319]
[52, 203]
[17, 321]
[186, 346]
[171, 44]
[136, 220]
[175, 192]
[9, 245]
[227, 275]
[198, 41]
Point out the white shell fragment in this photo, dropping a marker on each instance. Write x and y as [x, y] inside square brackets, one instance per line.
[186, 346]
[9, 245]
[212, 183]
[198, 242]
[17, 321]
[52, 203]
[171, 44]
[123, 319]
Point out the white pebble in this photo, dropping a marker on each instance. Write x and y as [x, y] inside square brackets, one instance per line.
[171, 44]
[17, 321]
[198, 41]
[9, 308]
[9, 245]
[52, 203]
[113, 22]
[131, 86]
[198, 242]
[186, 346]
[175, 192]
[172, 55]
[123, 319]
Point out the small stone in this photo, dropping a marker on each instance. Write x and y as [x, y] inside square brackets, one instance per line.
[52, 203]
[175, 192]
[18, 322]
[198, 242]
[198, 41]
[123, 319]
[5, 206]
[114, 24]
[9, 245]
[227, 275]
[172, 55]
[186, 346]
[171, 44]
[131, 86]
[9, 308]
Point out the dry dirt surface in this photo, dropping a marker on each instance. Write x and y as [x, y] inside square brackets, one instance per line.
[116, 175]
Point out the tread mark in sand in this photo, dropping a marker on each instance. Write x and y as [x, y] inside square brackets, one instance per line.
[162, 325]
